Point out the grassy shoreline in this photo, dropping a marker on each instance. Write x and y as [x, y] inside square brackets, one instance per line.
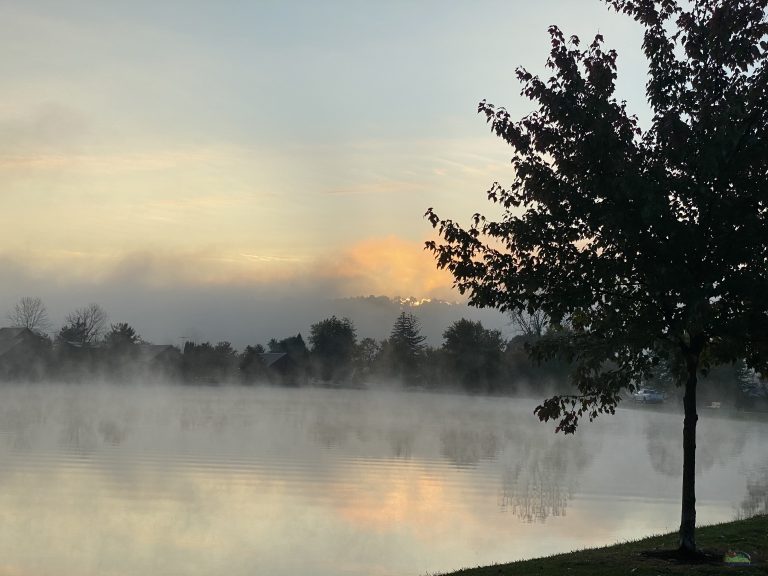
[749, 535]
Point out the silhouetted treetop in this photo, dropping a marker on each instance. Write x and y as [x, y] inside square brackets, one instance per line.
[30, 312]
[121, 335]
[406, 335]
[84, 326]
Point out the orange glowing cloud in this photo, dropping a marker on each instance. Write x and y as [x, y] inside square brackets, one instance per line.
[390, 266]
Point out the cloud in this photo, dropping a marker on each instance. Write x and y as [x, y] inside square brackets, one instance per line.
[391, 266]
[388, 266]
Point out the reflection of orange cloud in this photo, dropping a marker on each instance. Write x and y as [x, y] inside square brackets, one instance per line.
[414, 499]
[390, 266]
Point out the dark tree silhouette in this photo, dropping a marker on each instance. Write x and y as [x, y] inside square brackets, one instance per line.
[366, 354]
[406, 346]
[333, 347]
[208, 363]
[474, 354]
[653, 243]
[30, 312]
[84, 326]
[121, 336]
[252, 367]
[120, 349]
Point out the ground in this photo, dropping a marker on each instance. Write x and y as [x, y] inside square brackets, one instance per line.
[647, 557]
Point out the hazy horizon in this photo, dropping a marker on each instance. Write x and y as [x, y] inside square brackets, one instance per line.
[244, 318]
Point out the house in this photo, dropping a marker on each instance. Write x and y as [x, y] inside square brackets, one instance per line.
[283, 368]
[162, 358]
[274, 367]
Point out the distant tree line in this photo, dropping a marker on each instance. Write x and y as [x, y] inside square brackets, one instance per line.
[471, 357]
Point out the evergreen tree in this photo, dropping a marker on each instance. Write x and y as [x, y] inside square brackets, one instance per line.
[406, 347]
[121, 336]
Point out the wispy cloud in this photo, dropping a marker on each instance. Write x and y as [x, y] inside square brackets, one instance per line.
[269, 258]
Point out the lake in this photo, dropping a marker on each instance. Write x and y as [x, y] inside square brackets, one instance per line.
[126, 480]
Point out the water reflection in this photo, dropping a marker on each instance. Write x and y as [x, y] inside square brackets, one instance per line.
[242, 481]
[401, 441]
[755, 499]
[463, 447]
[665, 456]
[718, 442]
[543, 476]
[533, 494]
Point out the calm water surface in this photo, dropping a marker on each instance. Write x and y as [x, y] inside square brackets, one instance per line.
[172, 480]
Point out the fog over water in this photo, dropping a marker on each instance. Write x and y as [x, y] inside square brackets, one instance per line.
[160, 479]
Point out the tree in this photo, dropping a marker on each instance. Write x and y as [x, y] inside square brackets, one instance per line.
[652, 243]
[474, 354]
[252, 367]
[121, 336]
[333, 347]
[30, 312]
[208, 363]
[120, 351]
[366, 353]
[406, 346]
[225, 359]
[529, 324]
[84, 326]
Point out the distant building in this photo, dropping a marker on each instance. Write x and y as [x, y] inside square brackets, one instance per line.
[273, 367]
[162, 358]
[282, 368]
[273, 359]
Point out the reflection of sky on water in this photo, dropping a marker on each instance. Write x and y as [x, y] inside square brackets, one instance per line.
[241, 481]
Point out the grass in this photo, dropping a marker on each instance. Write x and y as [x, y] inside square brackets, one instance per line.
[646, 558]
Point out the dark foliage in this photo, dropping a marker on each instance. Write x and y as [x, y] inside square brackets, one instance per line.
[474, 355]
[84, 326]
[333, 343]
[121, 336]
[652, 244]
[206, 363]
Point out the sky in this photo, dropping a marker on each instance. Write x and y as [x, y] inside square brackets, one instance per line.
[280, 148]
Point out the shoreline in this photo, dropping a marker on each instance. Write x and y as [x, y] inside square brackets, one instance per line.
[748, 535]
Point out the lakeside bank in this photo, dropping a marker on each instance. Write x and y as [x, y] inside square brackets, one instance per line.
[642, 558]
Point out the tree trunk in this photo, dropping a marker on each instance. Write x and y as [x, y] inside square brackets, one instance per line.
[688, 516]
